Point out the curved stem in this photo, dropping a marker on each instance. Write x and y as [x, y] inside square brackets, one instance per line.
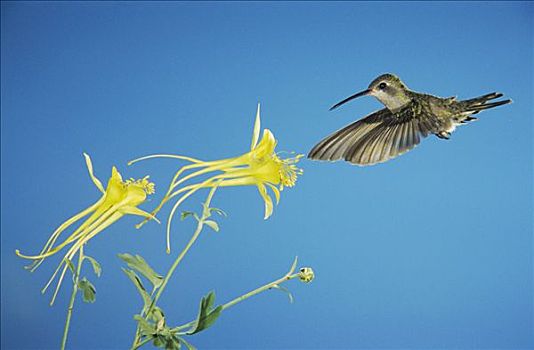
[288, 276]
[196, 234]
[200, 225]
[72, 299]
[138, 330]
[168, 277]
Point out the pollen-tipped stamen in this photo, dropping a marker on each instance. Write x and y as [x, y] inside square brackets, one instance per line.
[289, 171]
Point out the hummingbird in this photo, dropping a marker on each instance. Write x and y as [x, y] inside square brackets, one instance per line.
[407, 118]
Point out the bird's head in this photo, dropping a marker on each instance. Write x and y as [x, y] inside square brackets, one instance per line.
[387, 88]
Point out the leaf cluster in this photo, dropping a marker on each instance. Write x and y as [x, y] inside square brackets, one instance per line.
[85, 287]
[152, 322]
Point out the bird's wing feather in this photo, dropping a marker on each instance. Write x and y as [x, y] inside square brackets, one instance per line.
[334, 146]
[378, 137]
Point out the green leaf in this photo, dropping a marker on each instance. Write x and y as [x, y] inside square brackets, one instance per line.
[185, 214]
[96, 266]
[188, 345]
[71, 266]
[162, 336]
[167, 341]
[88, 290]
[146, 328]
[208, 301]
[156, 314]
[218, 211]
[138, 263]
[212, 224]
[293, 266]
[159, 341]
[207, 315]
[284, 289]
[139, 285]
[161, 328]
[172, 343]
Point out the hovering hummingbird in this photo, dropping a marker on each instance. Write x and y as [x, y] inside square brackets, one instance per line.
[408, 117]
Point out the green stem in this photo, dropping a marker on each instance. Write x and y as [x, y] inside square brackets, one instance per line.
[143, 342]
[259, 290]
[289, 276]
[138, 330]
[177, 261]
[180, 257]
[72, 299]
[200, 225]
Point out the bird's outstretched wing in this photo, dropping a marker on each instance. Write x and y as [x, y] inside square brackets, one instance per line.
[378, 137]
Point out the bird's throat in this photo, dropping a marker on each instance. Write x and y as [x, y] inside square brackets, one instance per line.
[394, 101]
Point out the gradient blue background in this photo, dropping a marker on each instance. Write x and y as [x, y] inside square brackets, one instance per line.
[431, 250]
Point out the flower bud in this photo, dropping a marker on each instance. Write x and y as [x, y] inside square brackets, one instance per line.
[306, 274]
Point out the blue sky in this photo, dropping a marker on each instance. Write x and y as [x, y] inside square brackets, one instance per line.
[430, 250]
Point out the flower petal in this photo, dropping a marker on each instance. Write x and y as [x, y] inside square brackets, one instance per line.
[115, 175]
[189, 159]
[221, 166]
[240, 181]
[50, 243]
[266, 145]
[275, 191]
[83, 240]
[89, 164]
[116, 189]
[136, 211]
[256, 131]
[87, 226]
[268, 201]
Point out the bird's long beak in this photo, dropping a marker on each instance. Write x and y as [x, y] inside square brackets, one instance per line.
[361, 93]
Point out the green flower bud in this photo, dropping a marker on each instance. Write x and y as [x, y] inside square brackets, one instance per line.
[306, 274]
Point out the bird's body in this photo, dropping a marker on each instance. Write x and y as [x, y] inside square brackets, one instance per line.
[408, 117]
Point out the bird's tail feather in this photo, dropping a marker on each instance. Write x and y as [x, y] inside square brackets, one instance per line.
[489, 105]
[478, 104]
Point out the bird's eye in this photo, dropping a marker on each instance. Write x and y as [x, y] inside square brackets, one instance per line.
[382, 86]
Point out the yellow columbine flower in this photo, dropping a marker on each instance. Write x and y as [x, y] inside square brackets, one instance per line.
[260, 167]
[119, 198]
